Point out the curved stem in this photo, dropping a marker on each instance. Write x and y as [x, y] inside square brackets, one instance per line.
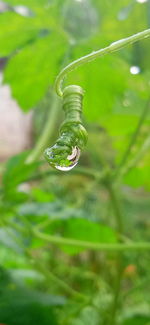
[48, 274]
[60, 283]
[139, 246]
[47, 133]
[88, 172]
[115, 46]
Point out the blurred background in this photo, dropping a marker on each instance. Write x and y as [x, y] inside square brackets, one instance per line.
[105, 199]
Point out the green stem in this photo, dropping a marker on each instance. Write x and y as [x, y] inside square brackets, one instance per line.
[88, 172]
[142, 151]
[118, 278]
[138, 286]
[115, 46]
[134, 137]
[51, 121]
[116, 208]
[47, 133]
[60, 283]
[138, 246]
[49, 275]
[117, 291]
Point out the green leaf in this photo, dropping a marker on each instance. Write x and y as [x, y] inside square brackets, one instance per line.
[138, 177]
[102, 87]
[48, 209]
[80, 19]
[27, 314]
[86, 230]
[15, 32]
[87, 314]
[119, 125]
[42, 196]
[7, 237]
[17, 171]
[22, 306]
[56, 210]
[34, 69]
[137, 320]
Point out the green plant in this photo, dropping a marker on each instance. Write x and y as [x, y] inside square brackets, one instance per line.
[72, 134]
[65, 153]
[79, 241]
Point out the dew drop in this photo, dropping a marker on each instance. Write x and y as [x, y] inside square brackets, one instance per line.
[141, 1]
[135, 69]
[73, 159]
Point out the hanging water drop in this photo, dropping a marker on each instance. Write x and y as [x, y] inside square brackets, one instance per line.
[59, 160]
[71, 160]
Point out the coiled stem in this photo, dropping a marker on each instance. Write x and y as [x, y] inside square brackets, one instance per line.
[65, 153]
[73, 135]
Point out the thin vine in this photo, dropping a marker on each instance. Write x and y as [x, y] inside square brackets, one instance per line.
[65, 153]
[115, 46]
[120, 247]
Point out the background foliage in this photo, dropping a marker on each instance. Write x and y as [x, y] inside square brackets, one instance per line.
[62, 284]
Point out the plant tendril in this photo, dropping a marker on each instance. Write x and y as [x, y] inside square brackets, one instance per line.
[65, 153]
[115, 46]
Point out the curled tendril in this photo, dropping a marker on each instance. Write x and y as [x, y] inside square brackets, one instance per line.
[72, 133]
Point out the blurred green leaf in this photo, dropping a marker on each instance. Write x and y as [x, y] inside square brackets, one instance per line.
[42, 196]
[7, 238]
[88, 313]
[22, 306]
[35, 68]
[17, 171]
[15, 34]
[49, 209]
[80, 19]
[102, 87]
[138, 177]
[86, 230]
[137, 320]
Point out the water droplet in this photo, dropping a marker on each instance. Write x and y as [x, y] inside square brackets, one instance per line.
[141, 1]
[72, 160]
[135, 69]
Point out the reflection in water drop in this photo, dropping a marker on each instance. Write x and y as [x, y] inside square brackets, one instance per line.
[135, 69]
[73, 159]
